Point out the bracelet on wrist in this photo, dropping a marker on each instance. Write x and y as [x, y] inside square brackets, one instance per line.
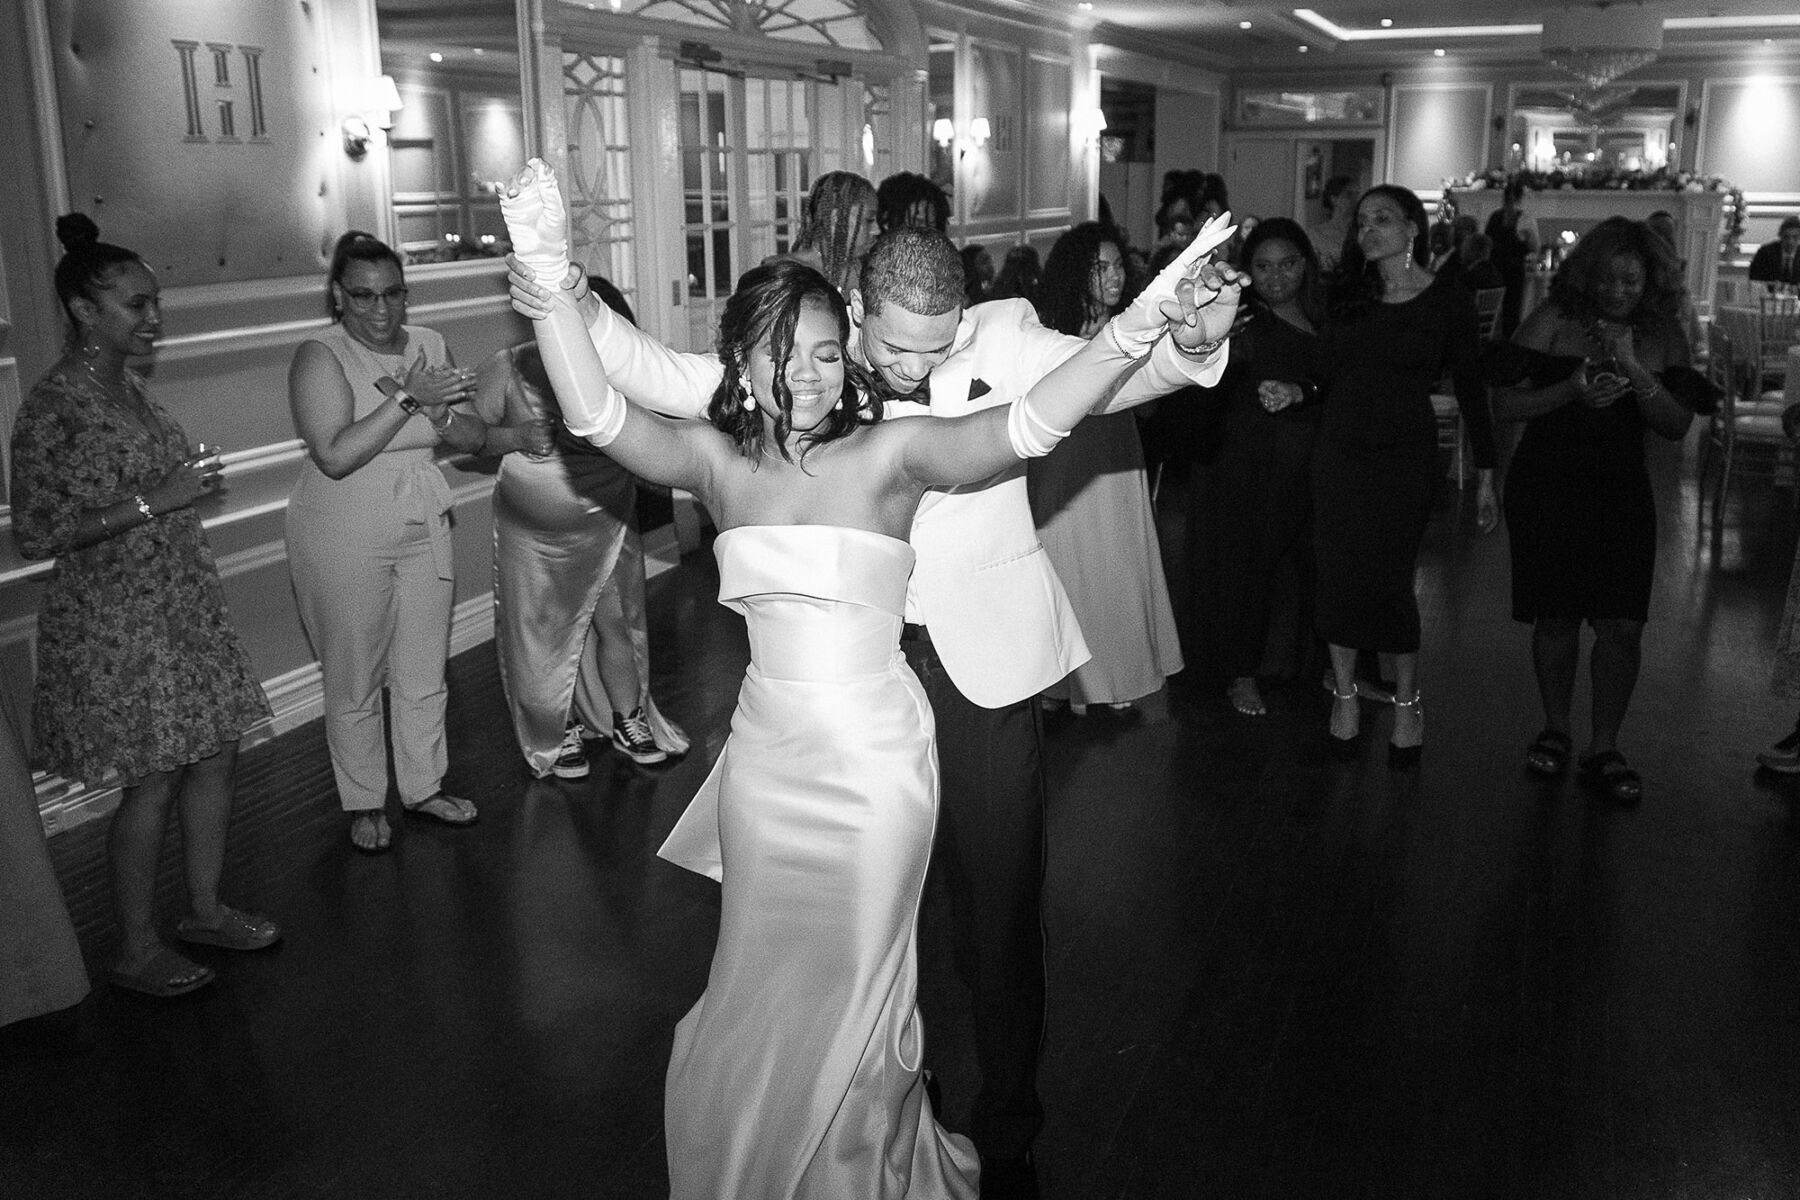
[143, 506]
[1203, 350]
[443, 427]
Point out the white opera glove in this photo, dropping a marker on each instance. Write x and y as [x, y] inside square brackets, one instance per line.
[537, 221]
[1030, 434]
[1138, 328]
[599, 420]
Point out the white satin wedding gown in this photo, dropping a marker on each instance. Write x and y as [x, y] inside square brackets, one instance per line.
[797, 1072]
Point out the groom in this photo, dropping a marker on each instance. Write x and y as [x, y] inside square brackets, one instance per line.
[988, 626]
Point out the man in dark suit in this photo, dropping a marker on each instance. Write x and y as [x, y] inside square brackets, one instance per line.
[1778, 262]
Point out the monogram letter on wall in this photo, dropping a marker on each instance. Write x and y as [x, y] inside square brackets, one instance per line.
[225, 104]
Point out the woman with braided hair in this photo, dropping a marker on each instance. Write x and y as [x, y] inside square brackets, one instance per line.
[839, 225]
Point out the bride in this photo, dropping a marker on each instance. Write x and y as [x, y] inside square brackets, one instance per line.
[796, 1074]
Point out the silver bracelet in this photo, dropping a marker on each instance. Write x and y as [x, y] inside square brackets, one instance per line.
[143, 506]
[1203, 350]
[441, 430]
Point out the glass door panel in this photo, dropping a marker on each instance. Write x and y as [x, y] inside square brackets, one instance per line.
[711, 176]
[599, 172]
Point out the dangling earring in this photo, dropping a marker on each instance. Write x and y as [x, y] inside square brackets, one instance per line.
[89, 350]
[747, 398]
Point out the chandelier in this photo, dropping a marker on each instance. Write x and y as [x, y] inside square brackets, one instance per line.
[1597, 45]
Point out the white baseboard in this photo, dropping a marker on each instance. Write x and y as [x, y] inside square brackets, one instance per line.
[296, 698]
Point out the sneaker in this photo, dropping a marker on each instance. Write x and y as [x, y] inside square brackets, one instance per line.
[1783, 757]
[571, 757]
[631, 737]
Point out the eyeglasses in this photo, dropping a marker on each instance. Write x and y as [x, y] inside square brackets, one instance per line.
[366, 297]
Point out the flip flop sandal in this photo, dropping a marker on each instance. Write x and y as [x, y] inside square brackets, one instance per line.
[1549, 753]
[1608, 772]
[235, 931]
[447, 809]
[164, 976]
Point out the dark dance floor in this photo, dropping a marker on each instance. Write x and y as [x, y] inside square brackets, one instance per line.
[1272, 974]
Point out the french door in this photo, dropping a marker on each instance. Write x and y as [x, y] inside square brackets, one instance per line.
[748, 154]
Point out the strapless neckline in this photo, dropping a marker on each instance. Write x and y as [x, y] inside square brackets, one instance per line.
[852, 529]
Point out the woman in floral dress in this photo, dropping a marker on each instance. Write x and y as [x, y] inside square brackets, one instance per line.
[139, 669]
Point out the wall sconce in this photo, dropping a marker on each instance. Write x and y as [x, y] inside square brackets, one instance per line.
[1092, 124]
[979, 132]
[380, 101]
[943, 132]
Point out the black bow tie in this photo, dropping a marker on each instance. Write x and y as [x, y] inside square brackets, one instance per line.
[885, 390]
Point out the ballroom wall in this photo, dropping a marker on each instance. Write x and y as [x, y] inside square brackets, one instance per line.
[1740, 118]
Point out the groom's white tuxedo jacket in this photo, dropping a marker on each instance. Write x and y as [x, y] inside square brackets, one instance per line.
[982, 583]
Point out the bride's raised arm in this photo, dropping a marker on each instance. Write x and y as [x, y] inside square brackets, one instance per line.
[944, 453]
[654, 449]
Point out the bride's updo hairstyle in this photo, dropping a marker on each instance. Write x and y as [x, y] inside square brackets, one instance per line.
[766, 307]
[87, 265]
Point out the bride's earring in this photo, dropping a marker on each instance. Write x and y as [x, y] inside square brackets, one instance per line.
[88, 348]
[746, 397]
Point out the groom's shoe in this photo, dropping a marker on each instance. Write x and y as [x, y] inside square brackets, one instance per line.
[1009, 1179]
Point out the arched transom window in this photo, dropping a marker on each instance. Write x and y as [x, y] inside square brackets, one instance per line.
[822, 22]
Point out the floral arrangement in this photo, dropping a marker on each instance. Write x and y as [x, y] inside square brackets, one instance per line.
[1589, 176]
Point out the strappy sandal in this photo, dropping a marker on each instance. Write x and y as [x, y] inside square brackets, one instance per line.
[165, 976]
[451, 810]
[235, 931]
[1549, 753]
[1344, 748]
[1609, 773]
[1407, 756]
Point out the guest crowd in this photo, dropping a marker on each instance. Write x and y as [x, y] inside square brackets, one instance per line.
[993, 553]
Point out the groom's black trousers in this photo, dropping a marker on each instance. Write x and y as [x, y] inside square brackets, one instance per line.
[990, 852]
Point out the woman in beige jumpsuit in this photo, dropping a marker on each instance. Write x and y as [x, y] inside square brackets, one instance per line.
[368, 529]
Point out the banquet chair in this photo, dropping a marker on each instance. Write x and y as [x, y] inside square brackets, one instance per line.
[1777, 329]
[1744, 436]
[1488, 302]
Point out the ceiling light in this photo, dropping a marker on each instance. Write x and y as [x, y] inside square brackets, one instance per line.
[1243, 24]
[1438, 53]
[1597, 46]
[436, 57]
[1084, 6]
[1387, 22]
[1304, 47]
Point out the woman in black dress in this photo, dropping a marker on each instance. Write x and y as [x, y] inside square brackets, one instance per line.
[1395, 331]
[1580, 516]
[1255, 505]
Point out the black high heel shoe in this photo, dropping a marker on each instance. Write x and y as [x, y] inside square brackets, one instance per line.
[1407, 756]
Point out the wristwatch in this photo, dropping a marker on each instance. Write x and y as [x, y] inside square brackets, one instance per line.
[409, 403]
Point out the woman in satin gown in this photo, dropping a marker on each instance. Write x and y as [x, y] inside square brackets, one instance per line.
[1091, 502]
[797, 1074]
[569, 612]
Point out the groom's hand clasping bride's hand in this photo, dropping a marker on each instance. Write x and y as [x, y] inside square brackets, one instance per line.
[531, 299]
